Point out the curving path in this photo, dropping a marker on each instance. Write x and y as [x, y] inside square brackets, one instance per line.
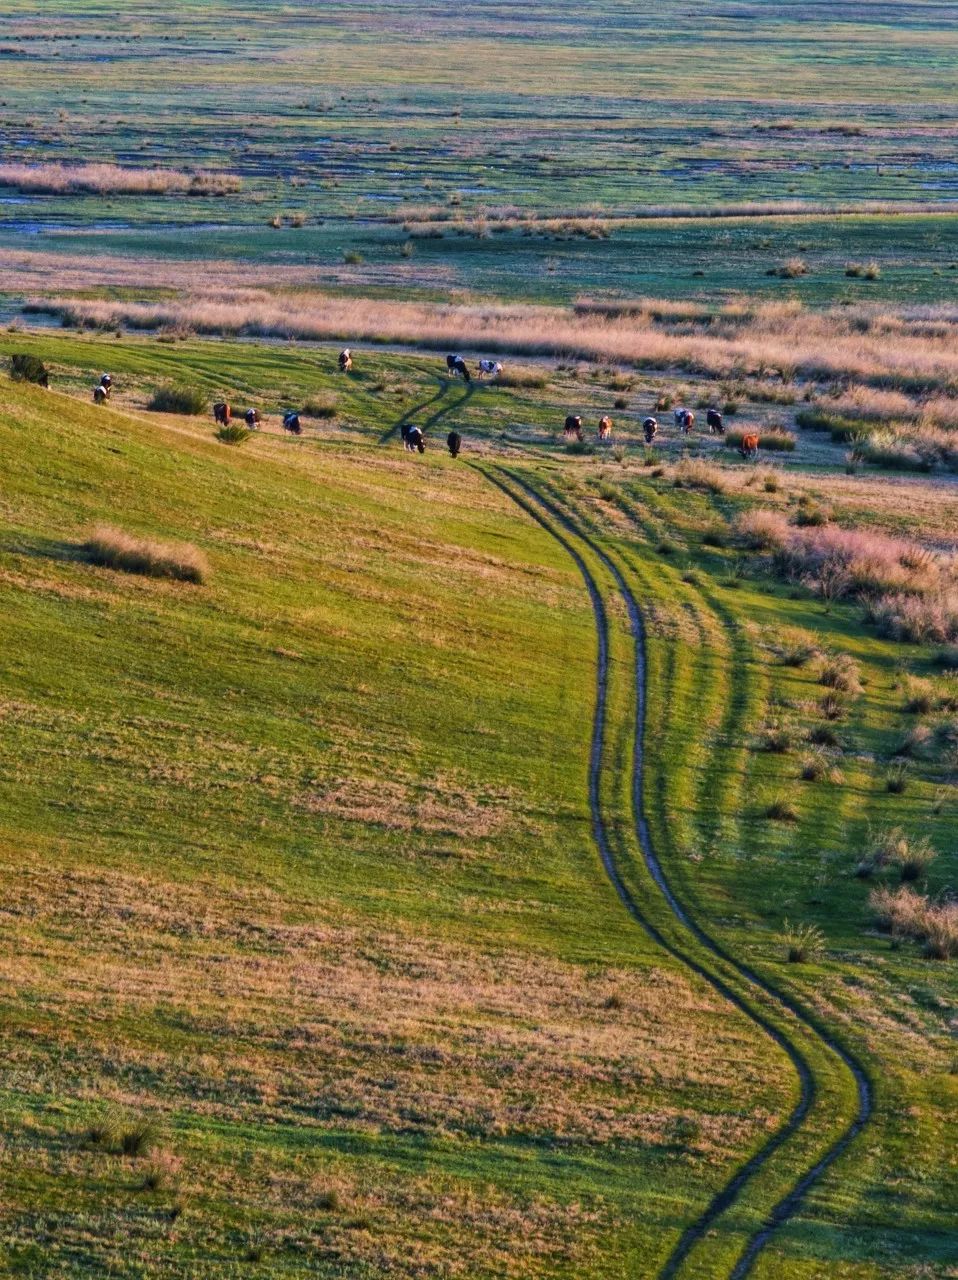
[570, 537]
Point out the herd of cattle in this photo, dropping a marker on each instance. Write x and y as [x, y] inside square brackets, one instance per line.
[413, 437]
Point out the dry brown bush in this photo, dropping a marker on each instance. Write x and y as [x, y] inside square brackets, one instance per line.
[115, 549]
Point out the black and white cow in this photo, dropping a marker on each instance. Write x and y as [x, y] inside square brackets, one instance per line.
[251, 418]
[292, 423]
[412, 438]
[458, 367]
[650, 427]
[715, 424]
[489, 368]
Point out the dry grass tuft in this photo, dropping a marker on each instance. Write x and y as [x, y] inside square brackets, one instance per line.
[113, 179]
[695, 473]
[114, 549]
[907, 914]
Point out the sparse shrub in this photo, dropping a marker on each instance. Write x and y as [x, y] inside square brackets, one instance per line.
[840, 672]
[716, 536]
[802, 942]
[796, 650]
[666, 548]
[854, 270]
[178, 399]
[781, 809]
[872, 271]
[908, 617]
[27, 368]
[915, 863]
[918, 743]
[621, 402]
[320, 407]
[137, 1138]
[694, 473]
[619, 452]
[523, 379]
[793, 269]
[161, 1172]
[580, 448]
[730, 408]
[777, 739]
[824, 735]
[691, 577]
[115, 549]
[908, 914]
[353, 258]
[614, 1002]
[919, 696]
[664, 402]
[762, 530]
[329, 1200]
[232, 433]
[833, 706]
[896, 779]
[818, 768]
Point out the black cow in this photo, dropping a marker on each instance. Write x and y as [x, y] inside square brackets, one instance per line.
[292, 423]
[573, 427]
[715, 424]
[454, 441]
[650, 426]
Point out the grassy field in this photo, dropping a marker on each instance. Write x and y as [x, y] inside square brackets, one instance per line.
[298, 864]
[536, 864]
[424, 146]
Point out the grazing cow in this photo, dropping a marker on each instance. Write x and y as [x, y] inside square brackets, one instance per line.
[457, 367]
[101, 394]
[650, 426]
[489, 368]
[222, 413]
[412, 438]
[684, 420]
[605, 427]
[252, 418]
[573, 427]
[292, 423]
[715, 423]
[345, 360]
[454, 442]
[106, 381]
[749, 446]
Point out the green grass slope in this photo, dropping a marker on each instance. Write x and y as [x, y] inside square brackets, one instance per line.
[310, 966]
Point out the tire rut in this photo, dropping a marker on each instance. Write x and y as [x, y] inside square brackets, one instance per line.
[530, 500]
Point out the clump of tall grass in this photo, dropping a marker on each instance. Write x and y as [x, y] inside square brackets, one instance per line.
[907, 914]
[915, 619]
[862, 562]
[531, 379]
[840, 672]
[112, 179]
[762, 530]
[320, 406]
[114, 549]
[773, 439]
[696, 473]
[178, 399]
[28, 368]
[802, 942]
[233, 433]
[781, 809]
[895, 451]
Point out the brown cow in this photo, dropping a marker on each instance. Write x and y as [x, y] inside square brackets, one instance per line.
[222, 413]
[749, 446]
[605, 427]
